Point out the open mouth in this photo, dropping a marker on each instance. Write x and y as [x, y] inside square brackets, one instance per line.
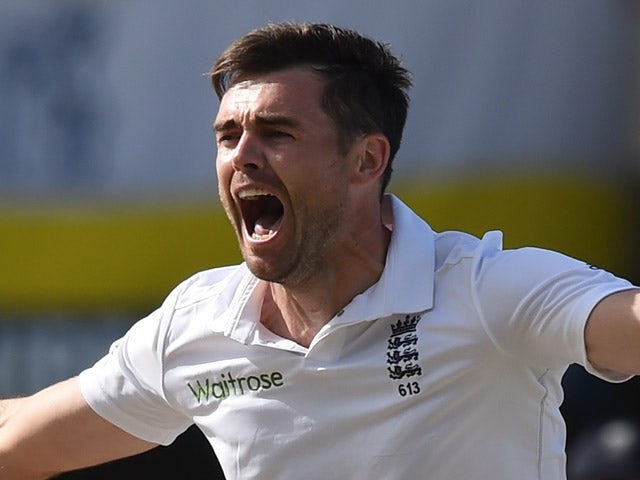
[261, 212]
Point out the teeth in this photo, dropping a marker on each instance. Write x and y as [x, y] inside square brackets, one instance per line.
[257, 236]
[251, 192]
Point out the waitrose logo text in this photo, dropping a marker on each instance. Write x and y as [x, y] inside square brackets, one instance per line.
[228, 385]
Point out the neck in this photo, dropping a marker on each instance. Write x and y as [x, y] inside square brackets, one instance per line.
[298, 312]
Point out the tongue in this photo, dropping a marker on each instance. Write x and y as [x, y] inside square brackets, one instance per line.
[264, 224]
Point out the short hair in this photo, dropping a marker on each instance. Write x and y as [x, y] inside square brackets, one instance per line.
[366, 89]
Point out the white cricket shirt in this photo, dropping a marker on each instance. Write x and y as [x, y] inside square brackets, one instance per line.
[448, 368]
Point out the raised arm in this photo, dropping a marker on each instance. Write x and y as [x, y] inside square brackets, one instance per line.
[55, 431]
[612, 334]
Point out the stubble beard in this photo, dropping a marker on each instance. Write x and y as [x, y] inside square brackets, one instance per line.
[306, 259]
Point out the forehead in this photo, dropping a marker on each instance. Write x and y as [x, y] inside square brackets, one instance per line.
[295, 92]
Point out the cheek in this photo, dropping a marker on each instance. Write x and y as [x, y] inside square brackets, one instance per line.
[223, 172]
[333, 178]
[224, 192]
[219, 162]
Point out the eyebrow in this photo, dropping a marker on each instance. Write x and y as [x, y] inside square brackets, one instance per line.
[261, 120]
[221, 127]
[276, 119]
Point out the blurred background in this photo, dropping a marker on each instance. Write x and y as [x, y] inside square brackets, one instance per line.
[524, 118]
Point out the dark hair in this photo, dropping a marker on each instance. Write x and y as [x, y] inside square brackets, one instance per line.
[366, 89]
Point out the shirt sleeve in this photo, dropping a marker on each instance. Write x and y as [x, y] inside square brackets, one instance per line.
[535, 303]
[126, 386]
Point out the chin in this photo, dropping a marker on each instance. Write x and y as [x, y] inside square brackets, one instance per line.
[261, 269]
[268, 273]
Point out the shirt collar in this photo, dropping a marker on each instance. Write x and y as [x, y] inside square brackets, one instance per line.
[407, 282]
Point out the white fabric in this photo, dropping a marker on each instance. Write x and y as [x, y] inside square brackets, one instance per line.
[448, 368]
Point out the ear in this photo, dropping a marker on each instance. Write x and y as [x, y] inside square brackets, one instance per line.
[371, 158]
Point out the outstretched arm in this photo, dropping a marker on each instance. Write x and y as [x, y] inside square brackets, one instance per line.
[612, 335]
[54, 431]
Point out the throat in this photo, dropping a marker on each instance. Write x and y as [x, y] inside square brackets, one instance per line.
[290, 322]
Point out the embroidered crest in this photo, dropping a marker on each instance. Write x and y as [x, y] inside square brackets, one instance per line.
[403, 355]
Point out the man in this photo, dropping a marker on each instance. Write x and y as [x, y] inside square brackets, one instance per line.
[353, 342]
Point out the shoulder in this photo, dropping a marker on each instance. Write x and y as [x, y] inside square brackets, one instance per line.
[487, 253]
[184, 314]
[208, 284]
[453, 247]
[187, 307]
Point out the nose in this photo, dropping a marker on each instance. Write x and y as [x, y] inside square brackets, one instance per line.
[247, 154]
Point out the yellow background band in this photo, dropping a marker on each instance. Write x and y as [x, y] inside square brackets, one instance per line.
[106, 256]
[119, 256]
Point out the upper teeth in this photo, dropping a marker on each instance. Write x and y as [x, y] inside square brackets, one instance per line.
[251, 192]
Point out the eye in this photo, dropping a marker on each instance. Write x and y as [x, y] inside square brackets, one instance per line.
[278, 135]
[227, 139]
